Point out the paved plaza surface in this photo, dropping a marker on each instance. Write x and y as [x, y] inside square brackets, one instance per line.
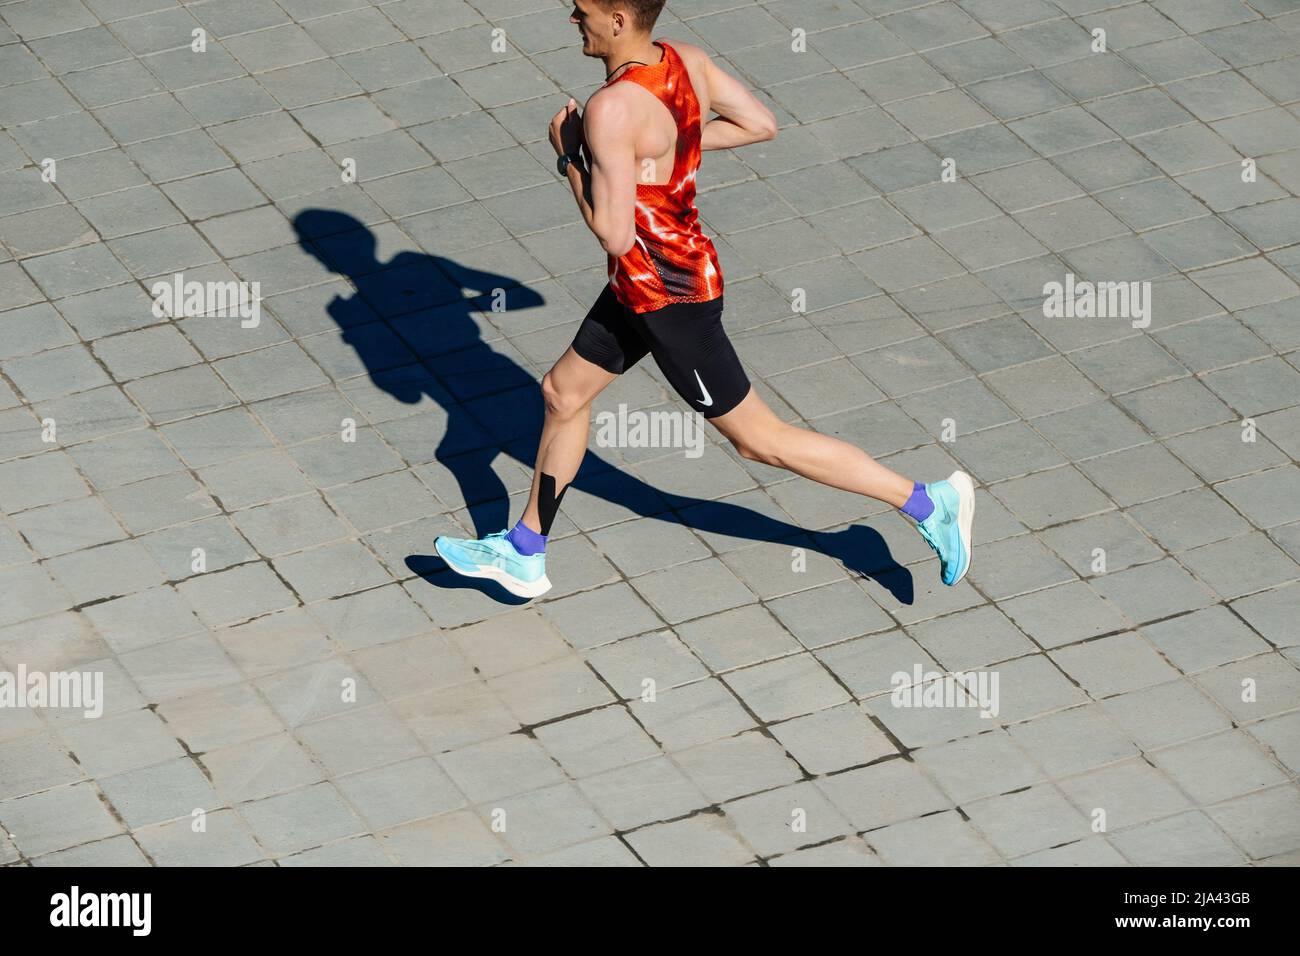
[233, 523]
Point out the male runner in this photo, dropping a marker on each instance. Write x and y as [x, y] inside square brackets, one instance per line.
[643, 133]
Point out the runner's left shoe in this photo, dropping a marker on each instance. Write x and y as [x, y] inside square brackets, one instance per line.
[948, 529]
[494, 557]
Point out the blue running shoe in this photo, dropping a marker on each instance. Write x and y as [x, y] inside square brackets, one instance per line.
[947, 530]
[523, 575]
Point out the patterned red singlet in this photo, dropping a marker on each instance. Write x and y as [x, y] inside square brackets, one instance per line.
[671, 259]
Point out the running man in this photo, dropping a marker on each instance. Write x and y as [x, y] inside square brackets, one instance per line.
[642, 136]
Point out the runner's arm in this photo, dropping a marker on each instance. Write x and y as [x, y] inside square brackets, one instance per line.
[606, 193]
[742, 118]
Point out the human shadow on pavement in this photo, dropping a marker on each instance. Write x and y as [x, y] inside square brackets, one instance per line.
[417, 322]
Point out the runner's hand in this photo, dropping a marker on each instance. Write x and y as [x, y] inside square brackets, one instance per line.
[566, 129]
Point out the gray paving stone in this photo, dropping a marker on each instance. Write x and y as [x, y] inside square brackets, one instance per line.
[551, 690]
[182, 393]
[351, 742]
[886, 792]
[406, 667]
[316, 690]
[255, 479]
[179, 668]
[301, 819]
[693, 714]
[869, 666]
[68, 526]
[117, 309]
[155, 503]
[1266, 613]
[1042, 818]
[948, 640]
[115, 851]
[1187, 839]
[1241, 565]
[1262, 497]
[12, 548]
[546, 820]
[1064, 614]
[1042, 387]
[1018, 564]
[764, 820]
[274, 643]
[1152, 591]
[829, 614]
[980, 766]
[644, 792]
[174, 548]
[833, 739]
[703, 840]
[37, 762]
[290, 525]
[1219, 768]
[382, 501]
[1139, 474]
[658, 658]
[1051, 497]
[693, 590]
[456, 839]
[143, 738]
[29, 482]
[58, 819]
[1113, 665]
[1093, 851]
[236, 594]
[109, 570]
[225, 842]
[255, 769]
[1130, 793]
[55, 372]
[168, 791]
[456, 716]
[735, 766]
[1038, 687]
[1261, 823]
[1274, 734]
[1176, 406]
[1188, 519]
[1275, 679]
[330, 570]
[593, 743]
[1075, 740]
[141, 619]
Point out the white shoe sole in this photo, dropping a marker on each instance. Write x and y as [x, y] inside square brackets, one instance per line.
[523, 589]
[965, 516]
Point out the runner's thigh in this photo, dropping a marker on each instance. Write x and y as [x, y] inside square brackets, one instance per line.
[606, 338]
[691, 347]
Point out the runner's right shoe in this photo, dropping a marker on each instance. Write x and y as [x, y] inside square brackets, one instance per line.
[948, 529]
[495, 558]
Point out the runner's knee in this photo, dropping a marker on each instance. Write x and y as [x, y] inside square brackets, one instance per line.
[562, 403]
[758, 448]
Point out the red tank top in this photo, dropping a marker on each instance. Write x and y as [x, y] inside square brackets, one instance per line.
[671, 260]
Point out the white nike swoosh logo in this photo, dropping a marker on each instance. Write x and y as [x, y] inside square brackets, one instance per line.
[707, 400]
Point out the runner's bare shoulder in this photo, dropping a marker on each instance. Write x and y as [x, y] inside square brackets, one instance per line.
[612, 99]
[698, 63]
[691, 54]
[618, 106]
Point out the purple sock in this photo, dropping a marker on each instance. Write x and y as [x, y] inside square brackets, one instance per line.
[526, 540]
[919, 506]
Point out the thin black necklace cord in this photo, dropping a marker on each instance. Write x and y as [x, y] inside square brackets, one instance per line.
[621, 65]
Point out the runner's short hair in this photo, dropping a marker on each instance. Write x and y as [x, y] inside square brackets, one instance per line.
[644, 12]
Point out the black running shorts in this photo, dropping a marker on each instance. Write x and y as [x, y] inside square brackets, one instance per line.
[686, 339]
